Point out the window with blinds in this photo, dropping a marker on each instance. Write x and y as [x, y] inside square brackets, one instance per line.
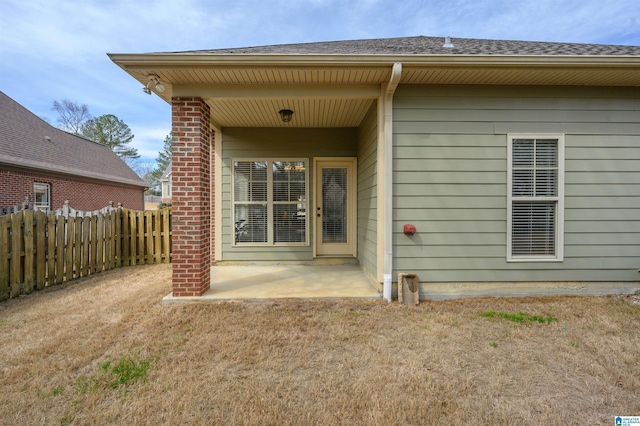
[535, 202]
[270, 202]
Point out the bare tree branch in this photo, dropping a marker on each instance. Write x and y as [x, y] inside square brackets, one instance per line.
[71, 116]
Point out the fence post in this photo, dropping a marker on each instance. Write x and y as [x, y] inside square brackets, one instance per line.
[141, 237]
[107, 240]
[93, 255]
[148, 219]
[166, 228]
[100, 242]
[41, 249]
[16, 249]
[51, 248]
[29, 255]
[60, 230]
[69, 237]
[77, 250]
[117, 261]
[126, 241]
[157, 241]
[133, 231]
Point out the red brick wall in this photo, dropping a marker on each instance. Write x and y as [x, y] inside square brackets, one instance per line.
[87, 196]
[190, 197]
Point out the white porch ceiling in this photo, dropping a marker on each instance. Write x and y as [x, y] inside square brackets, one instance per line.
[306, 112]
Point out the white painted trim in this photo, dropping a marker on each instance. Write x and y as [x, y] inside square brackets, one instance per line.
[387, 94]
[559, 257]
[270, 237]
[278, 91]
[217, 173]
[39, 187]
[173, 61]
[380, 186]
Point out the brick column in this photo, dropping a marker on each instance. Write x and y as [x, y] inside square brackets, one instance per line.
[191, 196]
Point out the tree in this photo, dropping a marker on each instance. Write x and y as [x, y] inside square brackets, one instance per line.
[163, 161]
[164, 156]
[145, 170]
[141, 166]
[71, 116]
[113, 132]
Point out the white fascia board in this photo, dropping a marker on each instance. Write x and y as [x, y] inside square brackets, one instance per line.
[176, 60]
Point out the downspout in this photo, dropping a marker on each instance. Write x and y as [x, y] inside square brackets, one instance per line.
[387, 100]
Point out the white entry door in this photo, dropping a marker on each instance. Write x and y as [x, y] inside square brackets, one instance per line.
[335, 202]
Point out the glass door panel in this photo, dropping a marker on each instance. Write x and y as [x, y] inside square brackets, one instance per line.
[335, 207]
[334, 195]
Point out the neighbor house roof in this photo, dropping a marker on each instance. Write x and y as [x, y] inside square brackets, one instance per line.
[27, 141]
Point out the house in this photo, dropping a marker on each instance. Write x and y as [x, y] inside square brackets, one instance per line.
[165, 184]
[517, 163]
[47, 166]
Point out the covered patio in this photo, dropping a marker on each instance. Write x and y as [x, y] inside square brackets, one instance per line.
[261, 281]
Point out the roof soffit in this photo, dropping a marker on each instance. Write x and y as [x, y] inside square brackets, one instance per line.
[235, 84]
[193, 69]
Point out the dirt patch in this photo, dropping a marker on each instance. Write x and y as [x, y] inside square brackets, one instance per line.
[312, 362]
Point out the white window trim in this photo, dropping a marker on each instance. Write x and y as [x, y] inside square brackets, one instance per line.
[559, 241]
[270, 203]
[39, 206]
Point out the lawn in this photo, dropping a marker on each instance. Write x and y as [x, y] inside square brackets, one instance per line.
[103, 350]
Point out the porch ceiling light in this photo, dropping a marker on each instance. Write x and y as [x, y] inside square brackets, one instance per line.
[154, 82]
[286, 115]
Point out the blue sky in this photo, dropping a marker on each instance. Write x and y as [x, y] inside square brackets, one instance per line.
[54, 50]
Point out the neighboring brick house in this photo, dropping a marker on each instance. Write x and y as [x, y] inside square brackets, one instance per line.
[485, 167]
[47, 166]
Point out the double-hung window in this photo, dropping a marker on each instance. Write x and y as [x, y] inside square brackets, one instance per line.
[535, 197]
[41, 197]
[270, 202]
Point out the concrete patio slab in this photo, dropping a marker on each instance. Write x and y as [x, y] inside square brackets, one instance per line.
[260, 282]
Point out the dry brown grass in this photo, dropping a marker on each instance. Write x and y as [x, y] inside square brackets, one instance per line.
[313, 362]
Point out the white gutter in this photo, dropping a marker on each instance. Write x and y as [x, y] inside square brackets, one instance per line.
[387, 216]
[161, 61]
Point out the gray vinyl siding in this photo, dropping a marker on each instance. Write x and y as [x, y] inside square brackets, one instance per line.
[367, 191]
[450, 180]
[256, 143]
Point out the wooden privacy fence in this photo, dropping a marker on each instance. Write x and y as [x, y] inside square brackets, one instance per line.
[40, 249]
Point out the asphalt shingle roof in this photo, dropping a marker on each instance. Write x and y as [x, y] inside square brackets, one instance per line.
[421, 45]
[28, 141]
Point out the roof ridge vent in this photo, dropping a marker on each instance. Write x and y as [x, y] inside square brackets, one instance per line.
[447, 43]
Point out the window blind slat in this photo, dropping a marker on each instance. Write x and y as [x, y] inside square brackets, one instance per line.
[534, 174]
[270, 192]
[533, 228]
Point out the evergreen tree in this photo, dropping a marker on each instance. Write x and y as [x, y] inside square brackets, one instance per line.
[113, 132]
[164, 156]
[162, 162]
